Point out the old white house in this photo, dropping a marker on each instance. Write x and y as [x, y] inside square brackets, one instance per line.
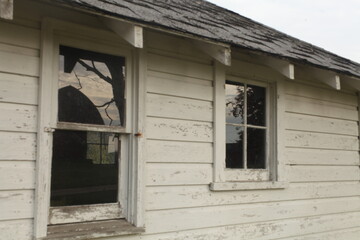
[171, 120]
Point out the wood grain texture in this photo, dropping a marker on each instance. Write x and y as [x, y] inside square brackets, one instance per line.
[178, 152]
[19, 35]
[18, 118]
[17, 146]
[301, 105]
[19, 64]
[168, 86]
[172, 197]
[18, 89]
[180, 108]
[180, 130]
[16, 204]
[186, 219]
[18, 229]
[16, 175]
[178, 174]
[179, 67]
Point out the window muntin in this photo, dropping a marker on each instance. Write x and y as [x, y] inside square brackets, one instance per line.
[246, 126]
[86, 161]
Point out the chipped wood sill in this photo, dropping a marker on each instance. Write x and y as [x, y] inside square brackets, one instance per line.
[242, 186]
[92, 230]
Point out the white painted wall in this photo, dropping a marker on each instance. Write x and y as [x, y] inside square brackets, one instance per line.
[321, 202]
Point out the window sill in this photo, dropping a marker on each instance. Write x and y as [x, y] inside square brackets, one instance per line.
[243, 186]
[92, 230]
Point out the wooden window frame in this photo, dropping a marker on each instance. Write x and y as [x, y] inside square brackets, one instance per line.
[53, 34]
[275, 176]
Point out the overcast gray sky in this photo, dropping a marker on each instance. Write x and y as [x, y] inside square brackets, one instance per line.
[331, 24]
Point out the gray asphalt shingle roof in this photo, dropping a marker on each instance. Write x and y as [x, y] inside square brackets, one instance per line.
[206, 20]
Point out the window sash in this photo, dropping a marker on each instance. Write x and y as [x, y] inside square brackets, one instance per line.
[245, 125]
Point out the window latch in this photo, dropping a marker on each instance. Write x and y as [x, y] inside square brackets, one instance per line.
[49, 130]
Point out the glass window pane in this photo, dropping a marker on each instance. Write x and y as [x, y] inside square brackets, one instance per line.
[234, 102]
[256, 105]
[234, 146]
[91, 87]
[256, 148]
[84, 168]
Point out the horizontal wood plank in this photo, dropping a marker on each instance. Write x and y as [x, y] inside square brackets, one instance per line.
[19, 118]
[178, 174]
[171, 197]
[324, 173]
[17, 146]
[18, 89]
[321, 157]
[19, 64]
[321, 108]
[179, 88]
[16, 230]
[16, 204]
[17, 175]
[302, 90]
[180, 130]
[348, 234]
[195, 218]
[179, 152]
[180, 108]
[179, 67]
[302, 122]
[321, 141]
[19, 35]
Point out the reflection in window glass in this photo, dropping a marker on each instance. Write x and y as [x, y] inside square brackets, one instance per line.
[245, 136]
[234, 146]
[84, 168]
[91, 87]
[234, 103]
[256, 152]
[256, 105]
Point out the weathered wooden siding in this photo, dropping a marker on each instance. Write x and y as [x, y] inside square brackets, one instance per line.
[19, 74]
[321, 148]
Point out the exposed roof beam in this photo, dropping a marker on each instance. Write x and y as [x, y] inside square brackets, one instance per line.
[281, 66]
[6, 9]
[218, 52]
[131, 33]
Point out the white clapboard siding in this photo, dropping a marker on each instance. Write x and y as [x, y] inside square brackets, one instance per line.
[18, 89]
[242, 68]
[188, 89]
[17, 229]
[324, 173]
[179, 67]
[17, 175]
[173, 44]
[181, 152]
[181, 130]
[321, 156]
[19, 64]
[320, 124]
[19, 50]
[17, 146]
[176, 107]
[16, 204]
[19, 118]
[178, 174]
[19, 35]
[195, 218]
[321, 140]
[171, 197]
[302, 90]
[348, 234]
[314, 107]
[263, 230]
